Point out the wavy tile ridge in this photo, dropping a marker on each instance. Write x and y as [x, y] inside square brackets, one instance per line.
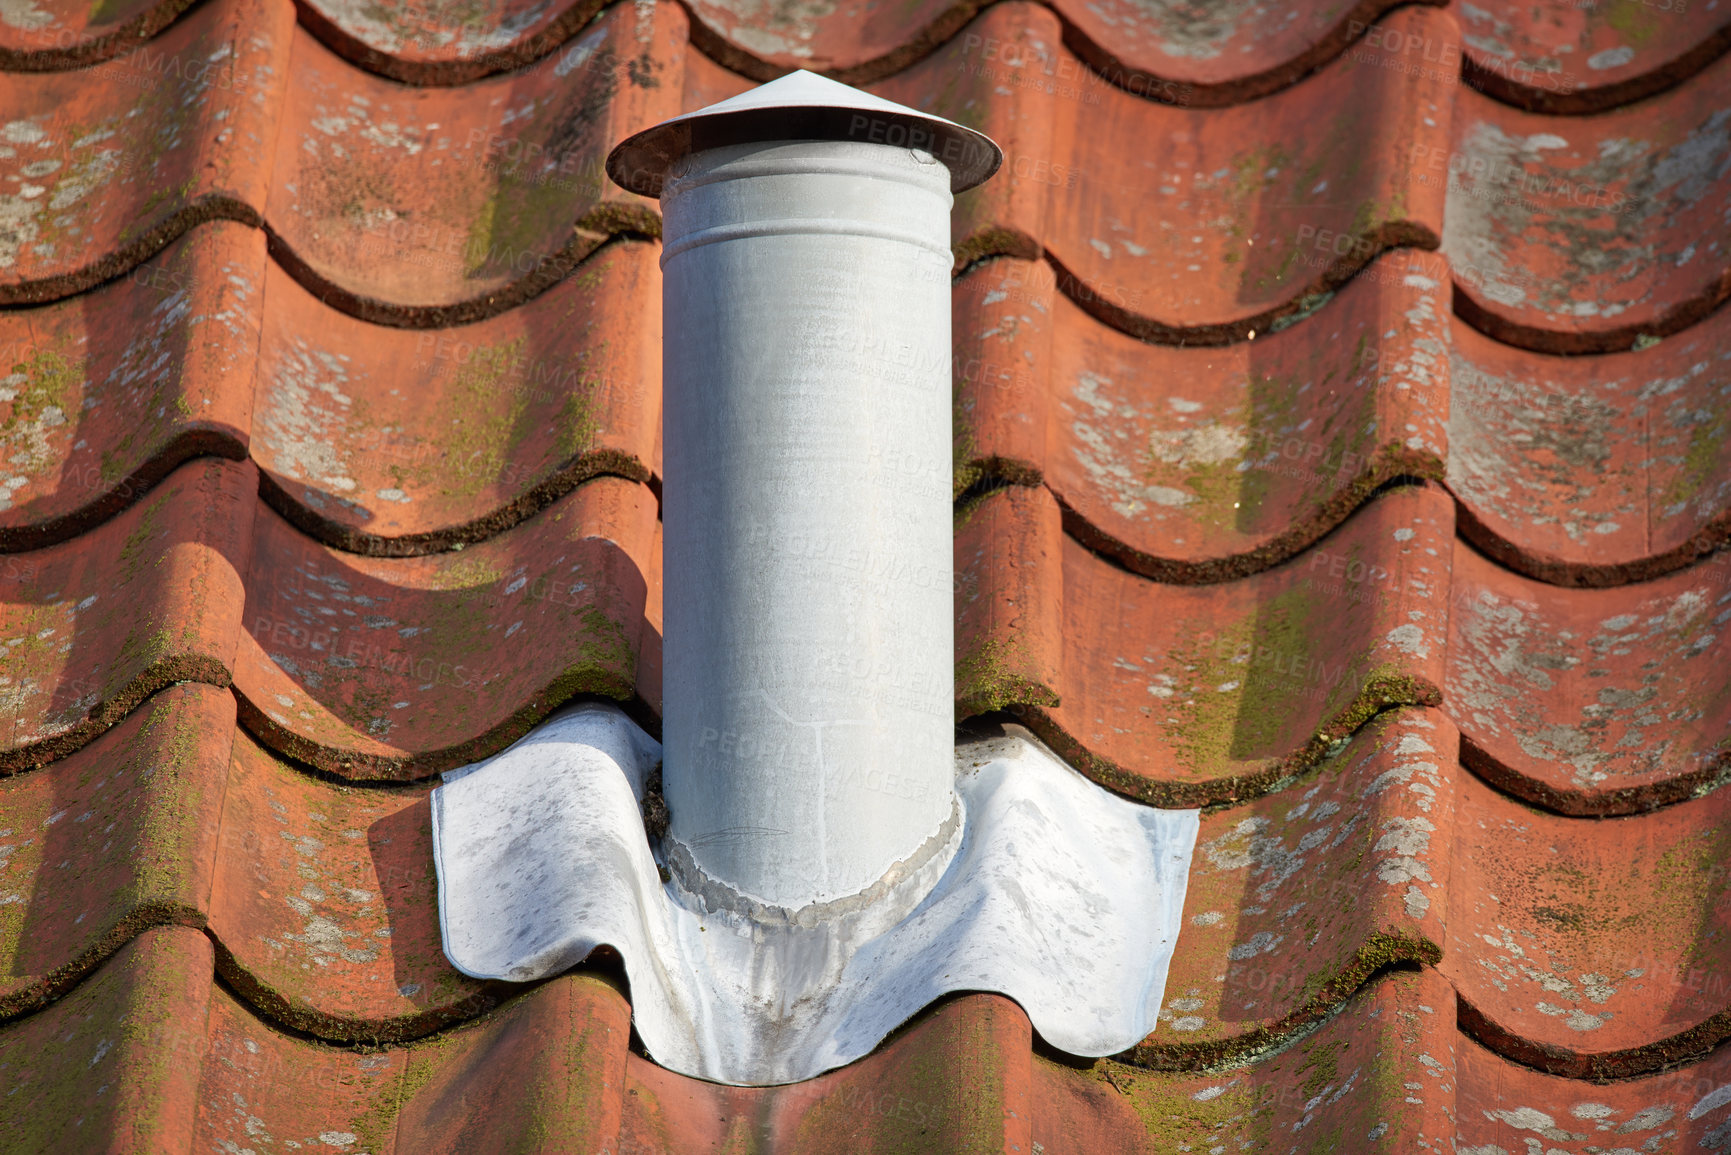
[934, 35]
[82, 49]
[1502, 83]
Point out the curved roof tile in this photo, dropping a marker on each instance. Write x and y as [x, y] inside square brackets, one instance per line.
[1259, 206]
[93, 626]
[1574, 941]
[1193, 695]
[1593, 471]
[403, 667]
[106, 394]
[1561, 56]
[1202, 464]
[325, 906]
[126, 829]
[390, 442]
[1590, 701]
[114, 161]
[427, 207]
[1586, 235]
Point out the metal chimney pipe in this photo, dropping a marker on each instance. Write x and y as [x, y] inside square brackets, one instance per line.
[808, 681]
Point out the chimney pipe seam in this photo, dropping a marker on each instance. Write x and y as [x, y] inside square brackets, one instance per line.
[803, 226]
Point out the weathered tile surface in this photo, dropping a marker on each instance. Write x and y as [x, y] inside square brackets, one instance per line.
[1198, 464]
[393, 442]
[445, 41]
[1505, 1108]
[430, 207]
[1594, 470]
[117, 837]
[400, 667]
[113, 1067]
[93, 626]
[1378, 1077]
[1595, 948]
[1198, 225]
[1183, 695]
[103, 395]
[1296, 899]
[1586, 234]
[1566, 57]
[326, 905]
[51, 35]
[1590, 701]
[101, 167]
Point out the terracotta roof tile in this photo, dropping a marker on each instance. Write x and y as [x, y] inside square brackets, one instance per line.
[401, 667]
[1515, 1106]
[1259, 448]
[1562, 57]
[94, 626]
[129, 154]
[1298, 898]
[113, 839]
[112, 1067]
[392, 442]
[443, 42]
[1593, 470]
[1378, 1076]
[1222, 689]
[1581, 236]
[259, 1086]
[1261, 206]
[109, 392]
[1595, 949]
[325, 905]
[428, 207]
[1590, 701]
[47, 37]
[1271, 575]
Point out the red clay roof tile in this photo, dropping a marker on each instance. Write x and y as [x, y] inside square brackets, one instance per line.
[1593, 471]
[1297, 899]
[427, 207]
[388, 442]
[1261, 206]
[1189, 695]
[1574, 941]
[402, 667]
[115, 838]
[325, 905]
[1590, 701]
[94, 626]
[113, 1066]
[1253, 452]
[1583, 235]
[54, 35]
[1520, 1109]
[108, 393]
[441, 42]
[1561, 56]
[114, 161]
[1378, 1076]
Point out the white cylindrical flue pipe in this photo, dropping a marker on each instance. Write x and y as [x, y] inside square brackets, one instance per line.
[808, 701]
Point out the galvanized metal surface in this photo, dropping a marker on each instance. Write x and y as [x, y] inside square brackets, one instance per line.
[808, 687]
[1056, 893]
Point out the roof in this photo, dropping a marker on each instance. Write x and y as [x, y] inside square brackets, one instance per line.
[1340, 406]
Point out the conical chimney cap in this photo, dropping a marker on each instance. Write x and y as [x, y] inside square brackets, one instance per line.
[801, 106]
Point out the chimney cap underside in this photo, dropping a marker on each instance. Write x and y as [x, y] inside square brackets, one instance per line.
[801, 106]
